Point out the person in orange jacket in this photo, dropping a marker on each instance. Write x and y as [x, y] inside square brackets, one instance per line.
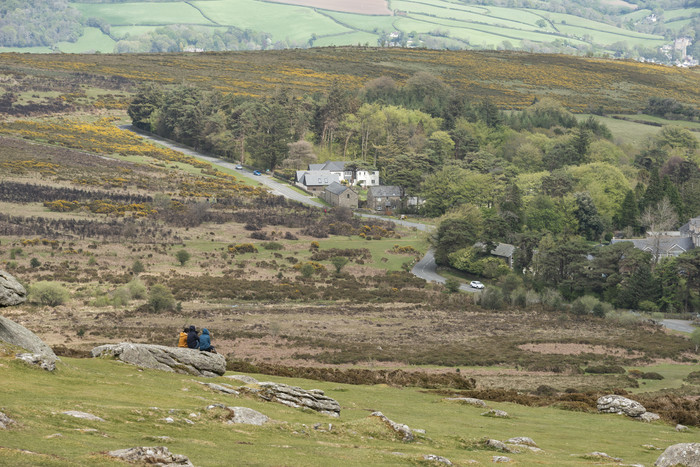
[182, 342]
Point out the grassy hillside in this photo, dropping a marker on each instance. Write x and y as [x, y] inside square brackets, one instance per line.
[44, 436]
[511, 79]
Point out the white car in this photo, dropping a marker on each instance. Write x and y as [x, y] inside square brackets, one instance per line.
[476, 285]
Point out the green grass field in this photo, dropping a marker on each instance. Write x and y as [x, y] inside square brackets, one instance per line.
[47, 437]
[131, 14]
[282, 21]
[92, 40]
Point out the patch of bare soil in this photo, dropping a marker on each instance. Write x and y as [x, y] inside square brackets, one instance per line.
[578, 349]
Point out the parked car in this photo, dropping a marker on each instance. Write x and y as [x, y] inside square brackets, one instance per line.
[257, 172]
[476, 285]
[239, 167]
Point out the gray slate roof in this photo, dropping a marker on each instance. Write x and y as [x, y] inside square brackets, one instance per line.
[384, 191]
[337, 188]
[318, 178]
[505, 250]
[666, 244]
[333, 166]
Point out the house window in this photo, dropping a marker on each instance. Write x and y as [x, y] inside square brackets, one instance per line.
[348, 195]
[319, 180]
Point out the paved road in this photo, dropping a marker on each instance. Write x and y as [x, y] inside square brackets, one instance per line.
[681, 325]
[275, 187]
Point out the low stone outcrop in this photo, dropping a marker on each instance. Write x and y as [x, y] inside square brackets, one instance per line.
[83, 415]
[467, 401]
[159, 456]
[436, 458]
[681, 428]
[160, 357]
[521, 441]
[11, 291]
[624, 406]
[223, 388]
[620, 405]
[39, 353]
[247, 416]
[686, 454]
[5, 421]
[293, 396]
[243, 379]
[495, 413]
[399, 428]
[500, 459]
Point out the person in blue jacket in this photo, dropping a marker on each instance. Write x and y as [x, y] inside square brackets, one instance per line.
[192, 338]
[205, 342]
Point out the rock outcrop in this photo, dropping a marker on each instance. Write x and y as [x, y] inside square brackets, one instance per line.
[686, 454]
[399, 428]
[16, 334]
[467, 401]
[160, 357]
[247, 416]
[159, 455]
[83, 415]
[436, 458]
[624, 406]
[5, 421]
[293, 396]
[11, 291]
[495, 413]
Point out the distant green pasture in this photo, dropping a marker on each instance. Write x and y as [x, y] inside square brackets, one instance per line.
[125, 14]
[625, 131]
[601, 37]
[92, 40]
[494, 33]
[563, 20]
[664, 121]
[472, 35]
[282, 21]
[676, 25]
[459, 14]
[637, 15]
[359, 37]
[684, 13]
[364, 23]
[121, 32]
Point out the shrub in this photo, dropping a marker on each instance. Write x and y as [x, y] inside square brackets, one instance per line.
[693, 377]
[137, 267]
[519, 297]
[121, 296]
[584, 305]
[272, 246]
[48, 293]
[34, 263]
[605, 369]
[338, 262]
[161, 298]
[182, 256]
[241, 248]
[306, 269]
[452, 285]
[652, 375]
[552, 299]
[137, 289]
[491, 299]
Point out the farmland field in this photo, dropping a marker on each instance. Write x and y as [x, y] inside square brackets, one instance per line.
[131, 14]
[364, 7]
[91, 40]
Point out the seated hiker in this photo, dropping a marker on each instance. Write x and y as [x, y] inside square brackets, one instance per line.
[182, 342]
[192, 338]
[205, 342]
